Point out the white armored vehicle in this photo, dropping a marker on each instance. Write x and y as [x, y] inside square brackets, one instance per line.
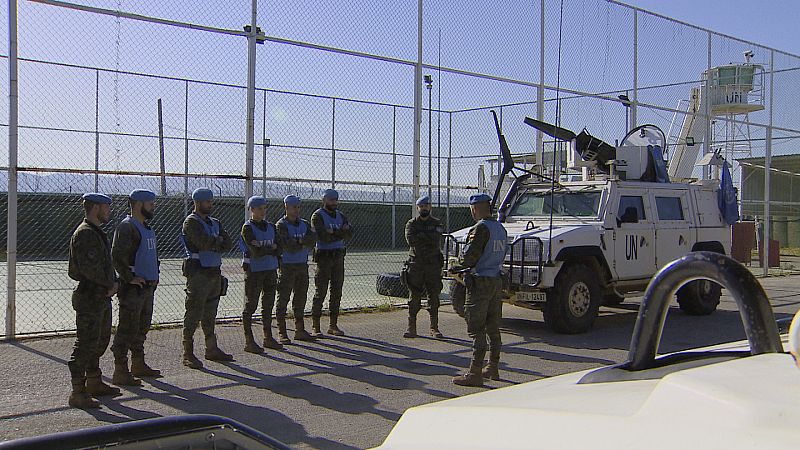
[577, 245]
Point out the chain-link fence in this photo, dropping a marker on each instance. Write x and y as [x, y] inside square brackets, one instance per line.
[120, 95]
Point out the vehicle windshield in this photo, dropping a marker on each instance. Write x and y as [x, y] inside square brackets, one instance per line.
[564, 203]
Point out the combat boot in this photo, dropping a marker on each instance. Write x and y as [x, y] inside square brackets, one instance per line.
[283, 336]
[250, 345]
[269, 341]
[473, 378]
[411, 332]
[189, 360]
[79, 398]
[122, 376]
[139, 368]
[492, 370]
[96, 388]
[333, 329]
[213, 352]
[435, 325]
[315, 330]
[300, 333]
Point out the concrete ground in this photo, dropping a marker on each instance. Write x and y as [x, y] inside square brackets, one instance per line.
[339, 393]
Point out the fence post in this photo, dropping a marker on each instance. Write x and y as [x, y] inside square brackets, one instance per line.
[394, 176]
[96, 130]
[264, 144]
[635, 103]
[13, 142]
[449, 161]
[539, 89]
[417, 111]
[707, 93]
[767, 170]
[185, 147]
[251, 103]
[333, 144]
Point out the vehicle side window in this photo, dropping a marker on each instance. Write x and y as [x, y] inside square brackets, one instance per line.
[669, 208]
[628, 201]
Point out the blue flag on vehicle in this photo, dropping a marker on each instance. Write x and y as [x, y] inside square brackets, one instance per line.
[726, 197]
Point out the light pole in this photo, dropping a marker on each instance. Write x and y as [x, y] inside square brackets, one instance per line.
[429, 85]
[626, 102]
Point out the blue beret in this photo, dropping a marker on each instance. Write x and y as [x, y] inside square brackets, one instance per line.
[256, 201]
[94, 197]
[292, 200]
[424, 200]
[479, 198]
[331, 194]
[142, 195]
[202, 194]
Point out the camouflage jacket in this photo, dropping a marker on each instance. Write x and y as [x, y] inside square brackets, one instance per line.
[90, 256]
[424, 239]
[197, 239]
[289, 243]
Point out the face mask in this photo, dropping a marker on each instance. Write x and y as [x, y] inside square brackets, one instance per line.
[424, 213]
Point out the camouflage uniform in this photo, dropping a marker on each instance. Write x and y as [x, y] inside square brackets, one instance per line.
[330, 268]
[261, 284]
[424, 269]
[90, 264]
[135, 303]
[293, 278]
[203, 284]
[483, 307]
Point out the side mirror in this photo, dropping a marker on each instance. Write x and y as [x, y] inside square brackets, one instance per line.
[631, 215]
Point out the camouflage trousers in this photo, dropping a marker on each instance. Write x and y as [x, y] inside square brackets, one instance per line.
[135, 318]
[260, 285]
[422, 279]
[293, 279]
[93, 325]
[202, 300]
[482, 310]
[330, 271]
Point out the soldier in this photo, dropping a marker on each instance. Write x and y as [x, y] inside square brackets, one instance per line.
[204, 241]
[259, 246]
[483, 257]
[135, 257]
[423, 271]
[90, 265]
[295, 238]
[332, 229]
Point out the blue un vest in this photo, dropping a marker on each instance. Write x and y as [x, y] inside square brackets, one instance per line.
[207, 258]
[296, 232]
[331, 223]
[146, 261]
[491, 261]
[265, 238]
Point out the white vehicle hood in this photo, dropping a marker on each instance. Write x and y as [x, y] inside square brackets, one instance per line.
[542, 231]
[749, 402]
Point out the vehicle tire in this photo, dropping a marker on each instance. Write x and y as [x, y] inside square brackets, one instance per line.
[389, 284]
[613, 299]
[458, 296]
[573, 302]
[699, 298]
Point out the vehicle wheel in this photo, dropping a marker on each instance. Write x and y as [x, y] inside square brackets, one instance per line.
[613, 299]
[699, 298]
[390, 284]
[458, 296]
[573, 302]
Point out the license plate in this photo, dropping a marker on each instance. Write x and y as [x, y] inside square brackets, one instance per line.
[531, 296]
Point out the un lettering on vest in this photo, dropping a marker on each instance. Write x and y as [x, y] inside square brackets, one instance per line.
[151, 243]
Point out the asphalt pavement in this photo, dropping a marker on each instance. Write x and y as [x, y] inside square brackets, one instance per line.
[339, 392]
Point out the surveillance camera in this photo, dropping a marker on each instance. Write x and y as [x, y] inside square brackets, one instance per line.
[749, 53]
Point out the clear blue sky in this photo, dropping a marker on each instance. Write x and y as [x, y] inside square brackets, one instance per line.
[495, 37]
[768, 22]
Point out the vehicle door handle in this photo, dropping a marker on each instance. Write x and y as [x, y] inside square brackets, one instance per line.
[681, 240]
